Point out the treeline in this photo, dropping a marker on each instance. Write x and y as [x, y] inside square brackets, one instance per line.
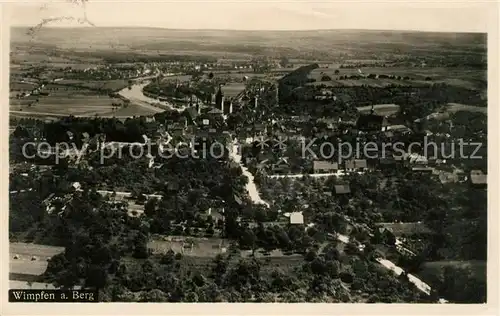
[130, 130]
[415, 102]
[113, 59]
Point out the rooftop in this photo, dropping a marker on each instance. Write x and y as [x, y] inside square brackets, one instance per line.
[296, 218]
[324, 165]
[342, 189]
[367, 122]
[360, 163]
[478, 177]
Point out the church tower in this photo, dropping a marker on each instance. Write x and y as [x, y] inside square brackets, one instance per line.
[219, 99]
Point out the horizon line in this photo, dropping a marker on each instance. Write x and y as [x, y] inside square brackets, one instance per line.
[251, 30]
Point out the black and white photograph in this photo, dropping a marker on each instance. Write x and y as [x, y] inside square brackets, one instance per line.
[248, 152]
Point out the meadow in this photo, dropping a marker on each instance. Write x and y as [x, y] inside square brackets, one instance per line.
[24, 252]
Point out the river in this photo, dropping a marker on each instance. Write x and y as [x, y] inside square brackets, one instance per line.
[135, 95]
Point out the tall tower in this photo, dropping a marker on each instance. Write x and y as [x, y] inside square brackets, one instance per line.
[219, 99]
[276, 94]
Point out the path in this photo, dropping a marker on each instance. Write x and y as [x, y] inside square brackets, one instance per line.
[235, 155]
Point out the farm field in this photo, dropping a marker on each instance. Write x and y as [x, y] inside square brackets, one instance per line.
[211, 247]
[24, 251]
[232, 89]
[70, 105]
[236, 74]
[381, 109]
[202, 247]
[465, 78]
[22, 86]
[455, 107]
[21, 285]
[34, 249]
[131, 110]
[114, 85]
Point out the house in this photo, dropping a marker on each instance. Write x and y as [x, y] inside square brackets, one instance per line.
[342, 189]
[324, 166]
[76, 185]
[389, 134]
[448, 177]
[402, 129]
[85, 136]
[215, 213]
[415, 159]
[215, 112]
[259, 129]
[261, 166]
[360, 164]
[176, 129]
[370, 122]
[387, 163]
[478, 178]
[48, 201]
[423, 169]
[349, 165]
[237, 200]
[296, 218]
[356, 165]
[436, 161]
[264, 224]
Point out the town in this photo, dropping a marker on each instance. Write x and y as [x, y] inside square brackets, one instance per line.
[242, 174]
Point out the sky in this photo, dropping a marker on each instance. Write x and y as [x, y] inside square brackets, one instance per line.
[445, 16]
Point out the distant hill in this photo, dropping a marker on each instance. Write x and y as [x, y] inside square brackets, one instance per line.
[321, 43]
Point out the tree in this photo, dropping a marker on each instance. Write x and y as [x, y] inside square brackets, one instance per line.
[168, 258]
[284, 61]
[150, 207]
[97, 277]
[461, 285]
[310, 256]
[154, 295]
[141, 250]
[318, 266]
